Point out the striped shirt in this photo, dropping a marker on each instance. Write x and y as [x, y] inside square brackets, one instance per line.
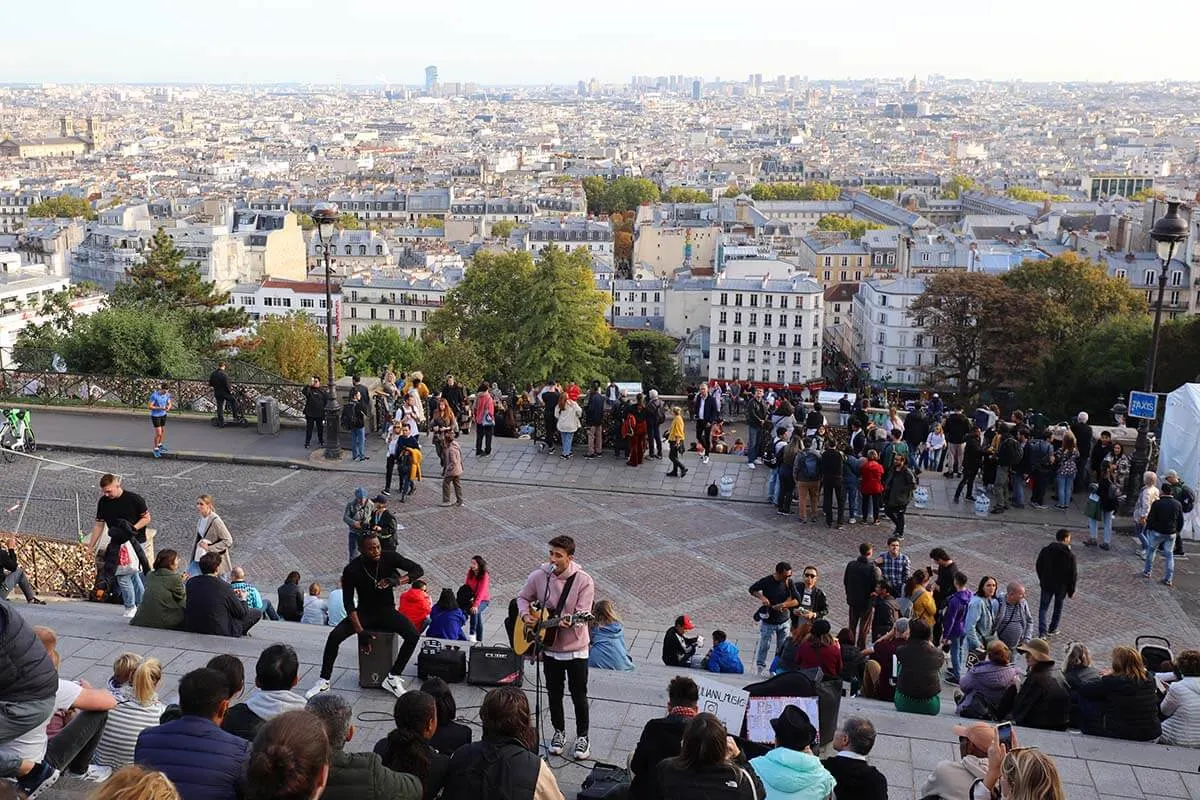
[125, 722]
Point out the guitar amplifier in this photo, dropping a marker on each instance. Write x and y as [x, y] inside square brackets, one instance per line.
[373, 667]
[495, 666]
[438, 660]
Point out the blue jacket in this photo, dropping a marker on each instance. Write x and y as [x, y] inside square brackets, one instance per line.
[445, 624]
[793, 775]
[608, 650]
[724, 658]
[203, 761]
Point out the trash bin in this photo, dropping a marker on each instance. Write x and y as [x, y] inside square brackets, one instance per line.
[268, 416]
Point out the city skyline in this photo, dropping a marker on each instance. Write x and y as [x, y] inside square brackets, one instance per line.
[536, 43]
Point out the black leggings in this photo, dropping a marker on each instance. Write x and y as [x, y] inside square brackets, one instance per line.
[392, 622]
[309, 425]
[677, 466]
[968, 481]
[573, 673]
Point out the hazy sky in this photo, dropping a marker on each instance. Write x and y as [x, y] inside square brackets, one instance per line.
[539, 41]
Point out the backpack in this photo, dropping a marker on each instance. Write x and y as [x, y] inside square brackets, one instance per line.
[660, 412]
[810, 466]
[712, 489]
[350, 416]
[1187, 499]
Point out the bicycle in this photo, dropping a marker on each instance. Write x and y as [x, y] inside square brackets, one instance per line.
[16, 434]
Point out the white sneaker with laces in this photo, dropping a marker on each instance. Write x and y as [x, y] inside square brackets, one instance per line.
[582, 749]
[95, 773]
[393, 684]
[130, 612]
[751, 465]
[321, 685]
[558, 743]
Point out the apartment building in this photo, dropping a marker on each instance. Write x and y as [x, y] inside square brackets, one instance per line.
[396, 298]
[1141, 271]
[766, 320]
[274, 297]
[569, 233]
[351, 252]
[14, 209]
[888, 341]
[23, 289]
[46, 242]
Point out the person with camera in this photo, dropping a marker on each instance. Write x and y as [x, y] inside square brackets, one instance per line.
[777, 594]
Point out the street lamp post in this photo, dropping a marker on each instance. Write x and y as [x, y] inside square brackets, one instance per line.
[325, 216]
[1167, 233]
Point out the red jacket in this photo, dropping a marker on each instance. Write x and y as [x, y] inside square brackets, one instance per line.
[828, 658]
[415, 605]
[484, 404]
[870, 478]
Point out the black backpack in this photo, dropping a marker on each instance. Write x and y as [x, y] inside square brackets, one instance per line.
[1187, 499]
[712, 489]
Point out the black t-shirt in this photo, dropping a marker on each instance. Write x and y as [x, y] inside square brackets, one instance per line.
[777, 592]
[945, 582]
[361, 583]
[129, 506]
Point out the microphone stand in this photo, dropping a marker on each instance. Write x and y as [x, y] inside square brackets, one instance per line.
[537, 671]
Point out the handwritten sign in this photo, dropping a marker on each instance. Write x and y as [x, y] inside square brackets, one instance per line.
[762, 710]
[727, 703]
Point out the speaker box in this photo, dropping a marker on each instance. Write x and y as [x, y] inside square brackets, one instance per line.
[495, 666]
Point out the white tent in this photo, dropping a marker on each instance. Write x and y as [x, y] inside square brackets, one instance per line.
[1180, 446]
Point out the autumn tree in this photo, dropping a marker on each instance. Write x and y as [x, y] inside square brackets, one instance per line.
[953, 188]
[881, 192]
[291, 346]
[1077, 295]
[503, 228]
[164, 283]
[349, 221]
[64, 206]
[857, 228]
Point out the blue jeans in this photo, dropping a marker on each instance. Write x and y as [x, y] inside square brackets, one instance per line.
[1094, 524]
[853, 500]
[765, 631]
[475, 623]
[1154, 540]
[1018, 484]
[1139, 534]
[1064, 488]
[132, 588]
[773, 486]
[752, 443]
[352, 543]
[1059, 597]
[568, 438]
[358, 442]
[958, 654]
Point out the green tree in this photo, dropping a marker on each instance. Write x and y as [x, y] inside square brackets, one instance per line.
[372, 349]
[1077, 295]
[683, 194]
[1149, 193]
[503, 228]
[733, 191]
[485, 308]
[594, 188]
[163, 284]
[795, 191]
[36, 344]
[305, 221]
[430, 222]
[127, 341]
[291, 346]
[462, 359]
[857, 228]
[953, 188]
[62, 207]
[562, 320]
[1033, 195]
[653, 354]
[349, 221]
[882, 192]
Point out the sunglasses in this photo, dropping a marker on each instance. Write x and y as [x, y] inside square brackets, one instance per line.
[810, 574]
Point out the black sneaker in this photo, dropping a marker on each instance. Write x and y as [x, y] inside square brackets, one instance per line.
[386, 493]
[39, 779]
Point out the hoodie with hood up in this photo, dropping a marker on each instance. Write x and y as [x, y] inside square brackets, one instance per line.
[246, 718]
[793, 775]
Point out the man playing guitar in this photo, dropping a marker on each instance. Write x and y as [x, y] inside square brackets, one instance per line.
[564, 589]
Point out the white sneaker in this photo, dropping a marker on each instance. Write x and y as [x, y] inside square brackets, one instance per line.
[751, 465]
[471, 638]
[704, 459]
[558, 743]
[130, 612]
[582, 749]
[321, 685]
[95, 773]
[393, 684]
[852, 521]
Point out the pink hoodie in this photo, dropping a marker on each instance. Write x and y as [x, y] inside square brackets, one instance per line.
[583, 594]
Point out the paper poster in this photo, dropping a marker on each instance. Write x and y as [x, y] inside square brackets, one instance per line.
[761, 710]
[727, 703]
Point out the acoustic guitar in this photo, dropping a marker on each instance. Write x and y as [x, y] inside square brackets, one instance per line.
[542, 633]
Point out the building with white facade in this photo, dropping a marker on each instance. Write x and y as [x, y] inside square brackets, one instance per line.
[887, 341]
[48, 242]
[23, 289]
[352, 251]
[279, 298]
[569, 233]
[397, 298]
[766, 321]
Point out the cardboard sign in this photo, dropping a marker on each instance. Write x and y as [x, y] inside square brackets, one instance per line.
[762, 710]
[727, 703]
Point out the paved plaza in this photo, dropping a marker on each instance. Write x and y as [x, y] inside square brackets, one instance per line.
[656, 547]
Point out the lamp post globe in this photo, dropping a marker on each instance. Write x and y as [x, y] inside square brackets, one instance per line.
[325, 217]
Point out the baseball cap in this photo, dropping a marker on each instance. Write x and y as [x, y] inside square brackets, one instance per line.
[1172, 475]
[1038, 649]
[379, 499]
[979, 734]
[685, 621]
